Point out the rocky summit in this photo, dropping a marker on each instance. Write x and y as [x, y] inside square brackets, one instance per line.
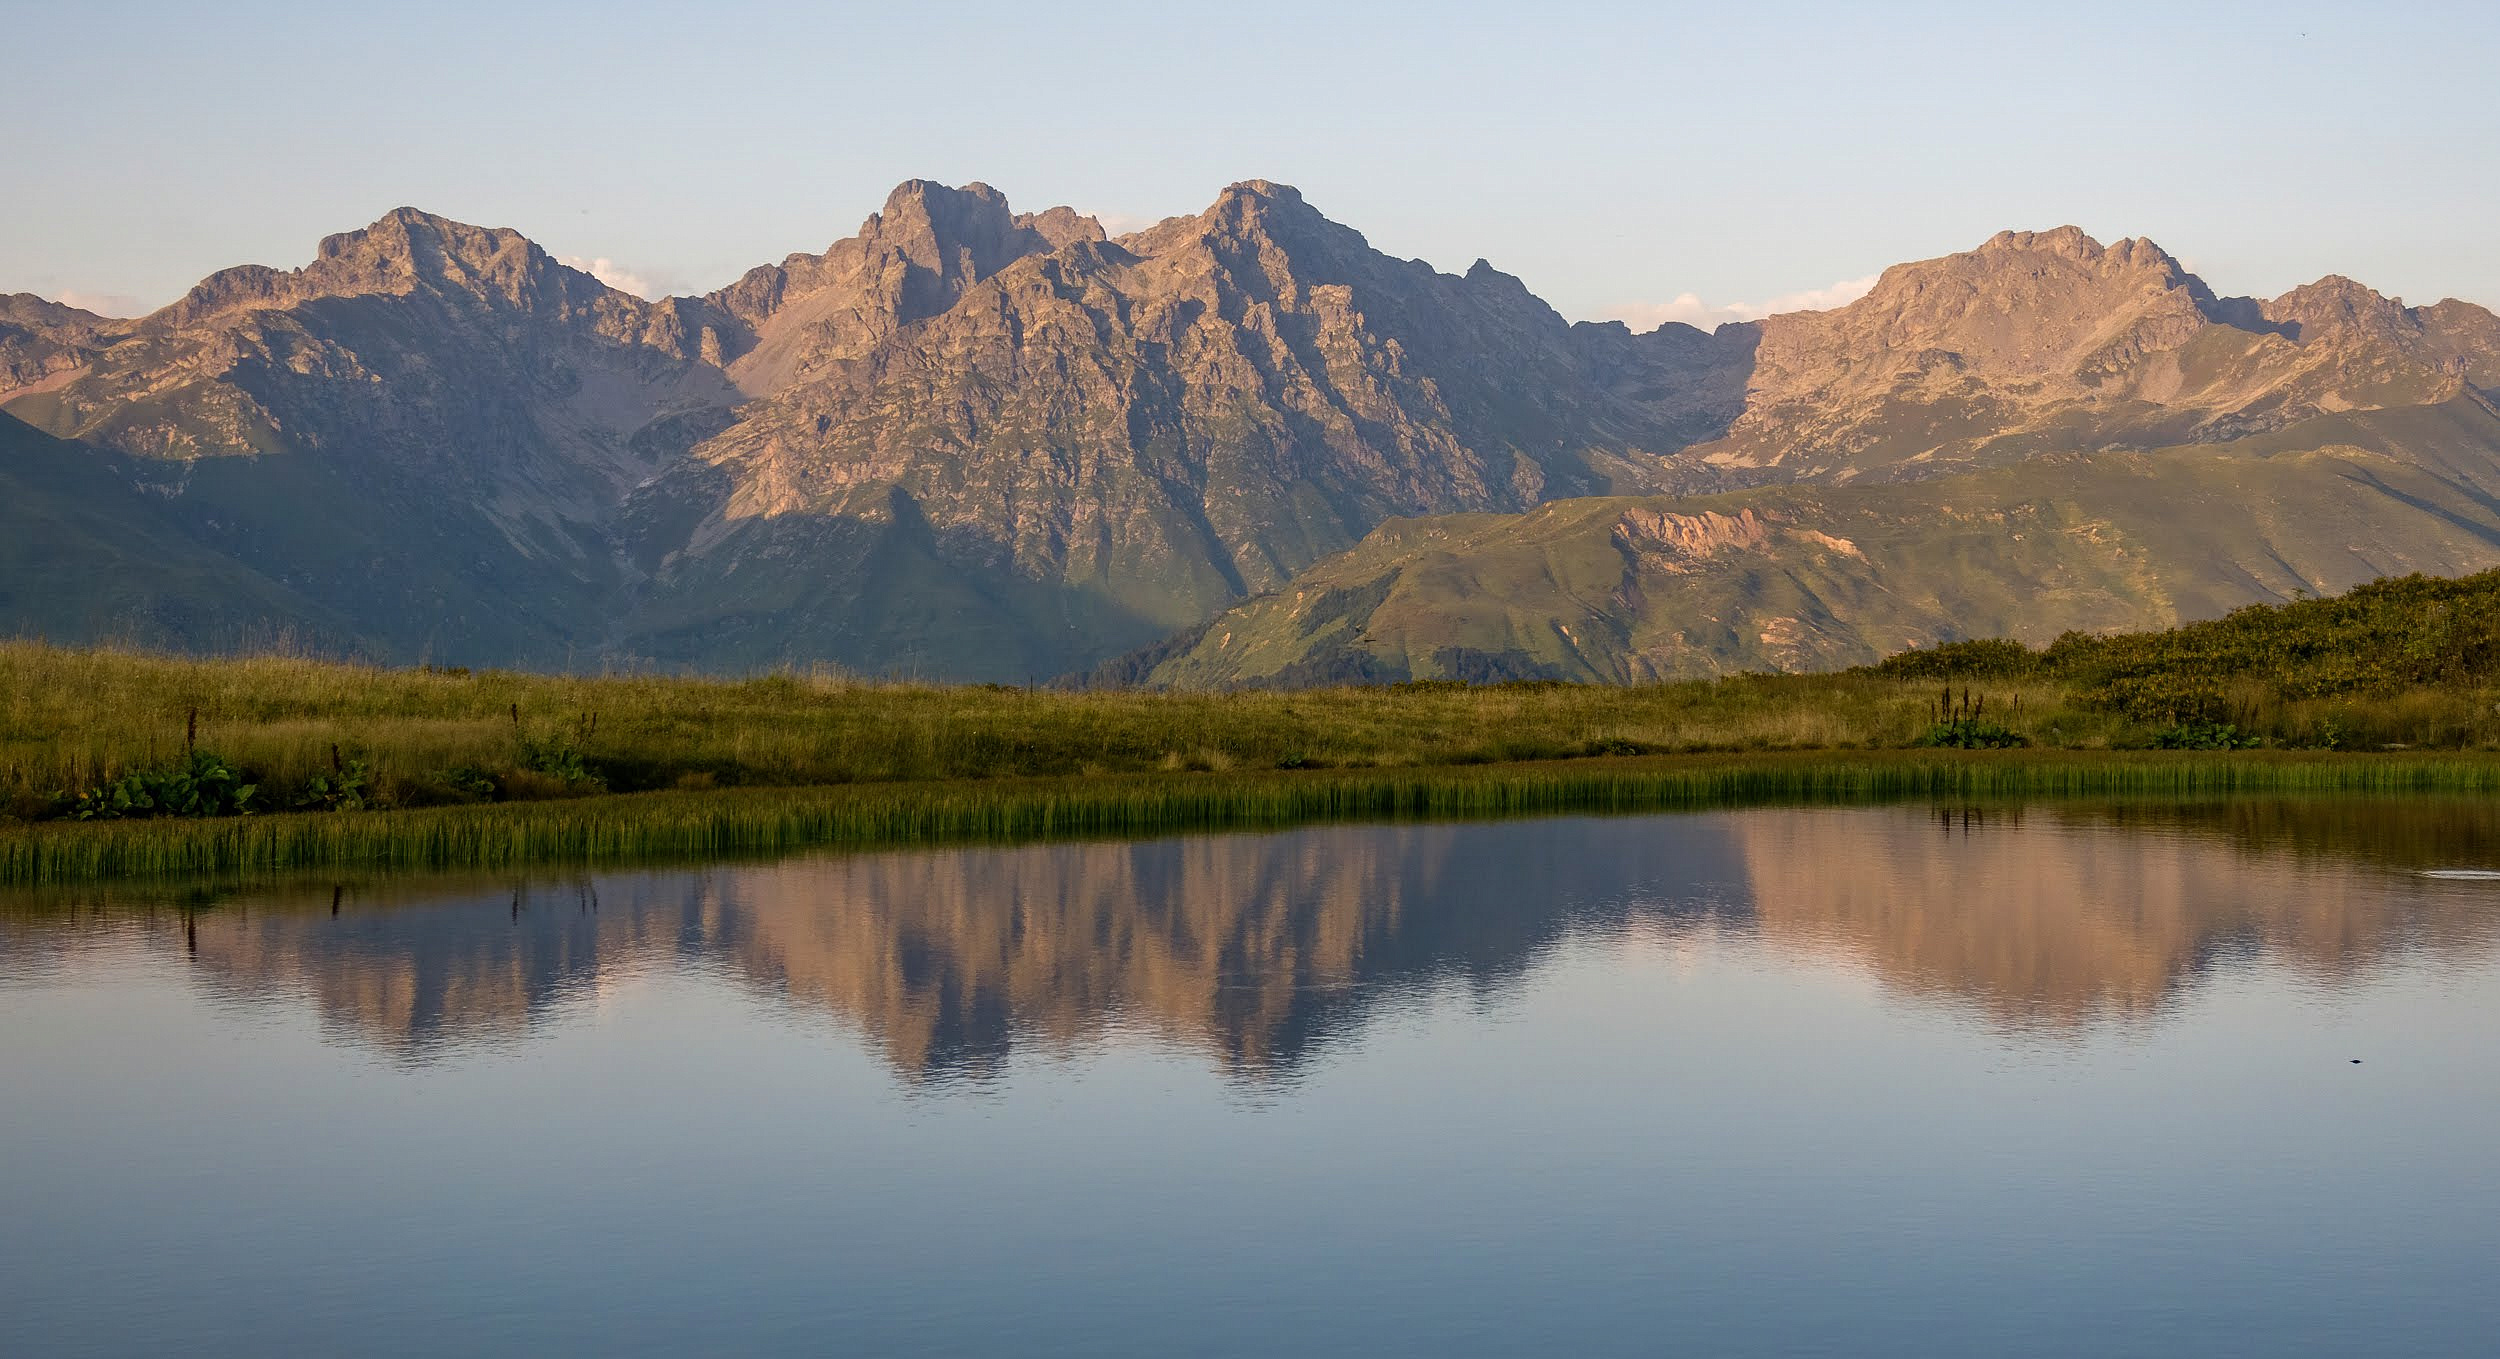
[1237, 447]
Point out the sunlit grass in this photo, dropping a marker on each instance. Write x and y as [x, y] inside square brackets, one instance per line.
[690, 765]
[71, 719]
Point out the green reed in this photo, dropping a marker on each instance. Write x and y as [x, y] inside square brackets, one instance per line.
[676, 824]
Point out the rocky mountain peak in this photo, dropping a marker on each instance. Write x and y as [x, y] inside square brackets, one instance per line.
[43, 341]
[2067, 241]
[1062, 226]
[1266, 238]
[2073, 245]
[971, 231]
[2023, 305]
[936, 227]
[1261, 191]
[413, 234]
[1258, 207]
[2062, 261]
[2337, 315]
[2469, 332]
[410, 248]
[31, 312]
[910, 261]
[1508, 291]
[406, 251]
[2335, 306]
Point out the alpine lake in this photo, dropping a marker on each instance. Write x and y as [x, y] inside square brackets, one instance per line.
[2212, 1077]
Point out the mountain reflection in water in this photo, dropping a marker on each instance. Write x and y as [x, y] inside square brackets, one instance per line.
[1257, 949]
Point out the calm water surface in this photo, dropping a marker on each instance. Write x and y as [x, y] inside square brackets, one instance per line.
[2055, 1080]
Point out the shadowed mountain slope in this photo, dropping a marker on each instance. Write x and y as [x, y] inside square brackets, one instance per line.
[85, 555]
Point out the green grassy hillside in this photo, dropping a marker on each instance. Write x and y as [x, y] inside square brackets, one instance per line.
[1632, 590]
[2383, 647]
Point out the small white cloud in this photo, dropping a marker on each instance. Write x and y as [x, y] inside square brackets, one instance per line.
[1117, 224]
[102, 304]
[1840, 294]
[648, 287]
[1692, 311]
[1685, 307]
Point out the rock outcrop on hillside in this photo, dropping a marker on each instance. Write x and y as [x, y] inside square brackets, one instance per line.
[43, 344]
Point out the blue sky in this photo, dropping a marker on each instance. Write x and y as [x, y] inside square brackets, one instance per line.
[1618, 157]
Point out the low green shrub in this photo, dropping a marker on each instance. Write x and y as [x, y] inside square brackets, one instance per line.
[455, 786]
[2205, 736]
[1982, 658]
[344, 787]
[1971, 733]
[204, 784]
[2170, 699]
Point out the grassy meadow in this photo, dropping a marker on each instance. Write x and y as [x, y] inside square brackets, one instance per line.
[116, 762]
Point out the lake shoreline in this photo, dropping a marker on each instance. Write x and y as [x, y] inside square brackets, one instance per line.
[628, 828]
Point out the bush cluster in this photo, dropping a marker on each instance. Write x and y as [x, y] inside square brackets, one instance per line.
[204, 784]
[2198, 685]
[2380, 636]
[201, 785]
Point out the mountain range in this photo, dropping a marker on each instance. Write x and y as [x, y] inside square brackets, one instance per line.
[1240, 447]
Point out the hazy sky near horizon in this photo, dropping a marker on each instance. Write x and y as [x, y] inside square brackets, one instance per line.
[1645, 161]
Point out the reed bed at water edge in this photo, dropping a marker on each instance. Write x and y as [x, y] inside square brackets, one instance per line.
[657, 825]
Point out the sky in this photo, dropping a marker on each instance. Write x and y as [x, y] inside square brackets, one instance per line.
[1639, 161]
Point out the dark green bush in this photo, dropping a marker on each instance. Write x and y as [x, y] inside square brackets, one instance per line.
[443, 787]
[2204, 736]
[1971, 733]
[1984, 658]
[202, 785]
[2170, 699]
[558, 759]
[2379, 636]
[344, 788]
